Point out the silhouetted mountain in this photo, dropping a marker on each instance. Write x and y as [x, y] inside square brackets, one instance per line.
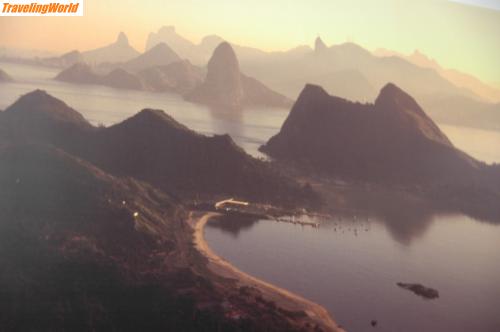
[81, 73]
[119, 51]
[199, 54]
[226, 87]
[319, 45]
[486, 91]
[180, 77]
[351, 72]
[222, 86]
[89, 250]
[65, 60]
[4, 77]
[390, 140]
[38, 106]
[168, 36]
[476, 104]
[256, 93]
[285, 76]
[37, 116]
[159, 55]
[153, 147]
[196, 53]
[122, 79]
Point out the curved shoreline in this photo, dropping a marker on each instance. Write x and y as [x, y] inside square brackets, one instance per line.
[282, 297]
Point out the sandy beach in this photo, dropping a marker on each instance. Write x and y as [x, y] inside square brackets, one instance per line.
[283, 298]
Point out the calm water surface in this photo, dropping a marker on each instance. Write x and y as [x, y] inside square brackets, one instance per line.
[352, 267]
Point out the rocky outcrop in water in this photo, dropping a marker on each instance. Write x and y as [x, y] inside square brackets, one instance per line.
[64, 61]
[226, 87]
[177, 77]
[119, 78]
[420, 290]
[391, 140]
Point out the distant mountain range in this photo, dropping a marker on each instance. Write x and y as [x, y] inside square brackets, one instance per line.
[159, 69]
[200, 53]
[346, 70]
[117, 52]
[351, 72]
[486, 91]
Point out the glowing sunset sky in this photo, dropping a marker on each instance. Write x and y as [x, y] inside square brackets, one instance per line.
[462, 34]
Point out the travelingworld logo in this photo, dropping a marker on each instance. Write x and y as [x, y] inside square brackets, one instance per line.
[42, 8]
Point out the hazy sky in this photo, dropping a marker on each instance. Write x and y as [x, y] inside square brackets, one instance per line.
[462, 34]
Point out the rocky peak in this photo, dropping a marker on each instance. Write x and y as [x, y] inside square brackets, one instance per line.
[401, 107]
[161, 52]
[224, 59]
[391, 139]
[122, 39]
[319, 45]
[159, 48]
[226, 87]
[39, 104]
[313, 98]
[392, 94]
[222, 86]
[153, 115]
[149, 121]
[312, 92]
